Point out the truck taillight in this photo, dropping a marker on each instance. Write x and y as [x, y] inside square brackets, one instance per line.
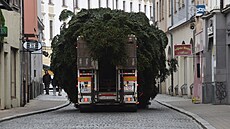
[129, 99]
[86, 99]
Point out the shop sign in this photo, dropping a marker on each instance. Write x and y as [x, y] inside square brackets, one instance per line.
[183, 50]
[32, 45]
[200, 10]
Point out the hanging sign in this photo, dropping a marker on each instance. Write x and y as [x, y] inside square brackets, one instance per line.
[183, 50]
[200, 10]
[32, 45]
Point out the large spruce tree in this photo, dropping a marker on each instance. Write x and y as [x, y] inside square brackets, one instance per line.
[106, 29]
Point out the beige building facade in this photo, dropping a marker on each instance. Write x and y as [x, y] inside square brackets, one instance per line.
[10, 62]
[173, 17]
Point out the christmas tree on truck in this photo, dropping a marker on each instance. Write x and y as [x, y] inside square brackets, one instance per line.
[109, 56]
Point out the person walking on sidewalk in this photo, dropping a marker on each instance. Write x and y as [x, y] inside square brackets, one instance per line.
[46, 81]
[54, 84]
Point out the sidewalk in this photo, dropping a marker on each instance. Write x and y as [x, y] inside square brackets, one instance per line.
[208, 115]
[42, 103]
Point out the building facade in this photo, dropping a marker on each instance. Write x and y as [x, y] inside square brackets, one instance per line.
[51, 10]
[145, 6]
[31, 58]
[205, 73]
[17, 65]
[173, 17]
[10, 88]
[216, 84]
[36, 57]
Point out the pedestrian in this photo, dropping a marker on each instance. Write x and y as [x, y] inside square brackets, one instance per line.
[46, 81]
[54, 84]
[59, 90]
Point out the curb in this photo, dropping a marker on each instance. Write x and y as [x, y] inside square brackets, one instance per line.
[34, 112]
[204, 124]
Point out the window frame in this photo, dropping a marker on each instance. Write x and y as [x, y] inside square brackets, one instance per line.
[131, 6]
[64, 3]
[51, 28]
[124, 5]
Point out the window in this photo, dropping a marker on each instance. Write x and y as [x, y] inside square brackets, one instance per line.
[124, 5]
[145, 9]
[51, 29]
[116, 4]
[35, 73]
[157, 10]
[179, 4]
[63, 3]
[88, 4]
[13, 72]
[160, 10]
[198, 70]
[182, 2]
[50, 2]
[139, 7]
[169, 7]
[175, 6]
[15, 2]
[131, 6]
[150, 11]
[99, 3]
[76, 4]
[107, 3]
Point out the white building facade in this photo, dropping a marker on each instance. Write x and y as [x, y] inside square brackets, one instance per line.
[51, 10]
[145, 6]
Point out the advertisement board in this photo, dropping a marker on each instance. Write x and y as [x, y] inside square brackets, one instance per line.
[183, 50]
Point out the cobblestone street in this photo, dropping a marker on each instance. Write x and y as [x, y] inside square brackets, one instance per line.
[156, 117]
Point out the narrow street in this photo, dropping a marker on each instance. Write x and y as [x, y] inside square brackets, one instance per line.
[156, 117]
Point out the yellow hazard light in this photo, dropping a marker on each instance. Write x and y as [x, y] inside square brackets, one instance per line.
[130, 78]
[84, 79]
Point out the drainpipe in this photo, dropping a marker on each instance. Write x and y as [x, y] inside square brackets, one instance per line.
[171, 40]
[23, 78]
